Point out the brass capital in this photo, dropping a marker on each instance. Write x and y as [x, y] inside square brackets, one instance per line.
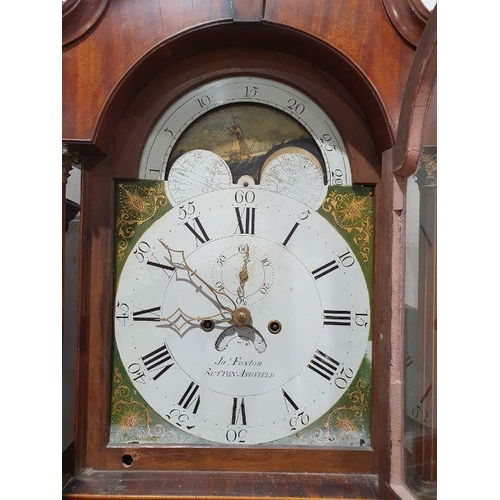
[69, 158]
[426, 174]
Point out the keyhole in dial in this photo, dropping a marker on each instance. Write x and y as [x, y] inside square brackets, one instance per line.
[207, 325]
[274, 326]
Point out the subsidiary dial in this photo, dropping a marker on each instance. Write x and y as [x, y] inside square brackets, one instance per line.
[197, 172]
[296, 173]
[245, 272]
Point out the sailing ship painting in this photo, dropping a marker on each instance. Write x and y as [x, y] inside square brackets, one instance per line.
[244, 135]
[239, 147]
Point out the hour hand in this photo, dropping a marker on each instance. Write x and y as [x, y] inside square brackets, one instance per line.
[181, 322]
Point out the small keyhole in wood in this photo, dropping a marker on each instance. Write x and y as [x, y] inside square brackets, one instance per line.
[127, 460]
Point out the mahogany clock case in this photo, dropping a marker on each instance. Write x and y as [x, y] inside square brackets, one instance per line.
[97, 215]
[113, 155]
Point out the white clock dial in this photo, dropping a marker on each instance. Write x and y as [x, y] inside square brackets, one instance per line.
[242, 316]
[245, 89]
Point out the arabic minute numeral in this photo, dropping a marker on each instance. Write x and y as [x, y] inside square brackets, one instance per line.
[337, 177]
[137, 373]
[250, 91]
[342, 380]
[304, 215]
[295, 106]
[300, 419]
[179, 418]
[123, 312]
[244, 196]
[186, 210]
[142, 249]
[326, 139]
[236, 435]
[361, 319]
[203, 101]
[347, 259]
[221, 259]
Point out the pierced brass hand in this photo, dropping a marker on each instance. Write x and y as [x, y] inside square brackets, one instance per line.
[181, 322]
[218, 295]
[243, 275]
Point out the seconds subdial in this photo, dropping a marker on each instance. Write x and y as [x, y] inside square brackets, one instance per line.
[244, 272]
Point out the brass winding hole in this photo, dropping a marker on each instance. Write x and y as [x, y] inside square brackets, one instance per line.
[274, 326]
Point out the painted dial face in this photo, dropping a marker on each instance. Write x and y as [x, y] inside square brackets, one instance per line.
[241, 316]
[250, 135]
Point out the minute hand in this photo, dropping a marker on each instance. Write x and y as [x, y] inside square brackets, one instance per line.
[218, 295]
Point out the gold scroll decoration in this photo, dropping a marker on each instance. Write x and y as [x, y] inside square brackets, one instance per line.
[137, 204]
[353, 213]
